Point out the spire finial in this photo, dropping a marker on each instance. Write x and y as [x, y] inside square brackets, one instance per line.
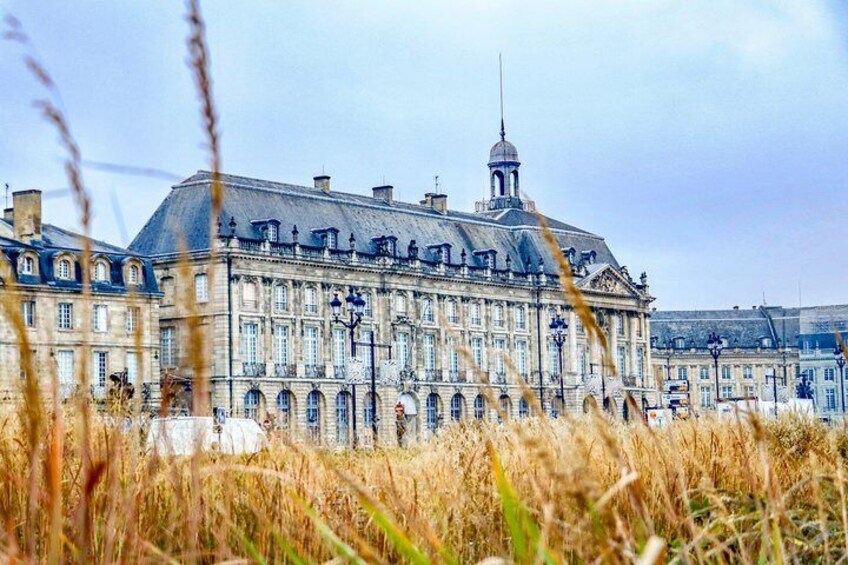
[500, 79]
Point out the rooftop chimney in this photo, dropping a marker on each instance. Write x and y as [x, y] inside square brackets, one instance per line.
[438, 202]
[322, 182]
[26, 206]
[384, 192]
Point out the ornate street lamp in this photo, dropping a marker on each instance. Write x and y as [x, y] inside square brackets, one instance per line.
[839, 357]
[355, 306]
[558, 329]
[715, 344]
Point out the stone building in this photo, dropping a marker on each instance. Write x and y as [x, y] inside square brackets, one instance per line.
[446, 289]
[44, 263]
[816, 344]
[759, 344]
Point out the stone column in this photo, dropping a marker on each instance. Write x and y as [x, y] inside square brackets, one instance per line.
[572, 343]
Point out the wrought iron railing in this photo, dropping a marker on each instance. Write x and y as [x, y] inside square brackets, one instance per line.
[284, 370]
[314, 371]
[254, 369]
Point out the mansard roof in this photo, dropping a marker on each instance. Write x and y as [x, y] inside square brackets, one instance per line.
[512, 233]
[741, 328]
[55, 241]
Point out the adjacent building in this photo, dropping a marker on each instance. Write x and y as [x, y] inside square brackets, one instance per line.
[759, 350]
[447, 290]
[42, 264]
[763, 346]
[818, 366]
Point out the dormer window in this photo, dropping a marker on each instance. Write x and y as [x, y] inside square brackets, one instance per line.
[101, 272]
[569, 253]
[63, 269]
[26, 265]
[269, 229]
[679, 343]
[441, 252]
[134, 275]
[765, 342]
[489, 258]
[588, 257]
[329, 237]
[385, 245]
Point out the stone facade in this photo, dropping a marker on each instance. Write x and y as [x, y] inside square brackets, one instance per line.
[43, 265]
[760, 345]
[447, 290]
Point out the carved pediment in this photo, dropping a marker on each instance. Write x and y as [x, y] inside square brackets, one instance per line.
[608, 281]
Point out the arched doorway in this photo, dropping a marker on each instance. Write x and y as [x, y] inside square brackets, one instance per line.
[457, 407]
[314, 416]
[343, 402]
[285, 410]
[480, 408]
[254, 404]
[505, 405]
[590, 405]
[434, 412]
[610, 406]
[410, 418]
[523, 408]
[630, 409]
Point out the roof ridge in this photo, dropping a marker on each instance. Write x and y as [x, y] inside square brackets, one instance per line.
[367, 201]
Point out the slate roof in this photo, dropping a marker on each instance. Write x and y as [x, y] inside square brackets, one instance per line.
[55, 240]
[514, 233]
[742, 328]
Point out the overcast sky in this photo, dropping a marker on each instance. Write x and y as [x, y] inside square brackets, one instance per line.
[706, 141]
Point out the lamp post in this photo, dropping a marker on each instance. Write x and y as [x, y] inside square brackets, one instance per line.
[839, 357]
[715, 344]
[669, 351]
[774, 378]
[373, 346]
[355, 305]
[537, 284]
[558, 328]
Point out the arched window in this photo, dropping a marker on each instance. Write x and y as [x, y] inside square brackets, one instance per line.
[273, 232]
[64, 269]
[310, 300]
[281, 298]
[27, 265]
[506, 408]
[342, 417]
[474, 314]
[523, 408]
[520, 318]
[432, 411]
[452, 311]
[515, 187]
[427, 310]
[251, 404]
[498, 316]
[101, 271]
[134, 276]
[456, 407]
[368, 412]
[313, 415]
[284, 409]
[479, 407]
[498, 183]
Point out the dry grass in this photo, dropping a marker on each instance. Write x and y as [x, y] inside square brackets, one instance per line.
[530, 491]
[74, 489]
